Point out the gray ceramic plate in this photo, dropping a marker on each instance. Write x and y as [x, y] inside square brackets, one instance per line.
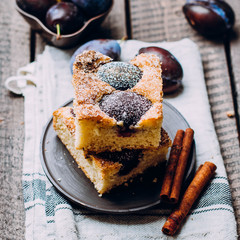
[71, 182]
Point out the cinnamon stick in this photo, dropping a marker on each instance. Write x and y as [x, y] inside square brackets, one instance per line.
[202, 177]
[181, 166]
[171, 166]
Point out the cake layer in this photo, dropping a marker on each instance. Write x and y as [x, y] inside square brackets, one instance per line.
[109, 169]
[126, 124]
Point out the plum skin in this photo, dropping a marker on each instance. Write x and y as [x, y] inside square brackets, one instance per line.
[172, 72]
[93, 7]
[108, 47]
[210, 19]
[67, 15]
[36, 7]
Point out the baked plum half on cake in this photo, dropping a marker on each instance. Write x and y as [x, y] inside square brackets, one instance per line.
[117, 105]
[107, 170]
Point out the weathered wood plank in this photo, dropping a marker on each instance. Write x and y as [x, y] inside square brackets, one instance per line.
[235, 49]
[164, 21]
[235, 57]
[114, 26]
[14, 52]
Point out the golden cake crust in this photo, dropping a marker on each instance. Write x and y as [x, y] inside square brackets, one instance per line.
[93, 112]
[107, 164]
[68, 116]
[89, 89]
[150, 85]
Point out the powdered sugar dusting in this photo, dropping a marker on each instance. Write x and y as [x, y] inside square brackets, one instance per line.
[90, 89]
[120, 75]
[150, 85]
[125, 106]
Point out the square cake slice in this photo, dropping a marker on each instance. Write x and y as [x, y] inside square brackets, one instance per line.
[117, 105]
[108, 169]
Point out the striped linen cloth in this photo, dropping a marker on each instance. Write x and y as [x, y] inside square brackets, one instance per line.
[50, 216]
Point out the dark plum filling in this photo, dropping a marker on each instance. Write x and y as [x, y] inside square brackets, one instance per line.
[128, 158]
[126, 107]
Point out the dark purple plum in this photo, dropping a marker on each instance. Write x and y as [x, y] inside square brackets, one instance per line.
[64, 18]
[172, 72]
[210, 18]
[36, 7]
[93, 7]
[108, 47]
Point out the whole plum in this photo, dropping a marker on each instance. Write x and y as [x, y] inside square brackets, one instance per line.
[172, 72]
[64, 18]
[210, 18]
[93, 7]
[108, 47]
[36, 7]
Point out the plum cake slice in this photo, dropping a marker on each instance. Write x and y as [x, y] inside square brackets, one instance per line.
[117, 105]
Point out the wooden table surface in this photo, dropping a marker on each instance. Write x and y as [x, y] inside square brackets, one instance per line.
[155, 20]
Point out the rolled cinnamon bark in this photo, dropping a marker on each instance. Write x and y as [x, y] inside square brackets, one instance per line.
[202, 176]
[181, 166]
[171, 166]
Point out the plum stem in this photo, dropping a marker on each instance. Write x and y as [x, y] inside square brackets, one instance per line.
[58, 31]
[123, 39]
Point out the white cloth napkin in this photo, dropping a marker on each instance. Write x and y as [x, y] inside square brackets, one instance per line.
[50, 216]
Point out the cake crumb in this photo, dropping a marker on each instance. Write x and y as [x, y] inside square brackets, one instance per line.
[155, 180]
[59, 179]
[230, 114]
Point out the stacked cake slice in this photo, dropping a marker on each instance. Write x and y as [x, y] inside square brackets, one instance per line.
[114, 130]
[107, 169]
